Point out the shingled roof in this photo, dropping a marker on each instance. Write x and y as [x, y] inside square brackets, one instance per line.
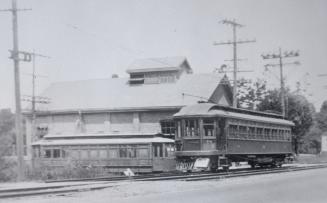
[117, 93]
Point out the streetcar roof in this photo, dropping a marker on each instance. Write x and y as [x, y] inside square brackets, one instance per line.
[209, 109]
[51, 142]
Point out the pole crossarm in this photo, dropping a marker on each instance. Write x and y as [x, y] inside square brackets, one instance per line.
[12, 10]
[280, 56]
[234, 42]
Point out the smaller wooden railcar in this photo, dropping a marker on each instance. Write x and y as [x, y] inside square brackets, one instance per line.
[212, 136]
[149, 154]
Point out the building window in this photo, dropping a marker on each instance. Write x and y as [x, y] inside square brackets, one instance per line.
[56, 153]
[47, 153]
[168, 127]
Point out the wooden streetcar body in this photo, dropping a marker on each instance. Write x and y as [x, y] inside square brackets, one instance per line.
[224, 135]
[114, 155]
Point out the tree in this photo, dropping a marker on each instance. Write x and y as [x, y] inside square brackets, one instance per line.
[322, 117]
[7, 123]
[298, 110]
[251, 93]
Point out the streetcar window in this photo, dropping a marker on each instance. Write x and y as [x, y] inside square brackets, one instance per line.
[113, 153]
[267, 133]
[209, 126]
[93, 154]
[131, 152]
[259, 133]
[233, 131]
[274, 133]
[280, 134]
[122, 152]
[252, 132]
[179, 131]
[191, 128]
[243, 132]
[102, 154]
[157, 150]
[84, 154]
[73, 154]
[143, 153]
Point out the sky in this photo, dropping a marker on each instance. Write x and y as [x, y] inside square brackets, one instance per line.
[91, 39]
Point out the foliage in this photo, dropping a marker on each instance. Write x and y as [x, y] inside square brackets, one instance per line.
[251, 93]
[7, 139]
[298, 110]
[322, 117]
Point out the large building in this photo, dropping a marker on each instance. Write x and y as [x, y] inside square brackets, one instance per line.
[120, 122]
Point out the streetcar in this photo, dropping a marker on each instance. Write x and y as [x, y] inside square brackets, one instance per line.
[211, 137]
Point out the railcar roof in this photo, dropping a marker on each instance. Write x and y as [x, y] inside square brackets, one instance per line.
[209, 109]
[56, 142]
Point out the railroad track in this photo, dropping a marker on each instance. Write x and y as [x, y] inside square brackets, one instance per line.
[101, 183]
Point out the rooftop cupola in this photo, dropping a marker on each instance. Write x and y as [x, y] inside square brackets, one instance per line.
[158, 70]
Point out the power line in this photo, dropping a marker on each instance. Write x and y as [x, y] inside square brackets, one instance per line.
[234, 42]
[280, 56]
[35, 99]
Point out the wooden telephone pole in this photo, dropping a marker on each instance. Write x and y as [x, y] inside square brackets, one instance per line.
[15, 55]
[280, 56]
[234, 42]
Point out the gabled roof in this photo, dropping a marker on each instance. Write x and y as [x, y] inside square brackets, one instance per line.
[116, 93]
[157, 64]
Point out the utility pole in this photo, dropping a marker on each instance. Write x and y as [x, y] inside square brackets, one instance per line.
[280, 56]
[35, 99]
[235, 42]
[18, 114]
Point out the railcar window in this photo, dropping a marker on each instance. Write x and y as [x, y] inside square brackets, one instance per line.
[274, 133]
[102, 154]
[113, 153]
[73, 154]
[280, 134]
[93, 154]
[259, 133]
[143, 153]
[84, 154]
[252, 132]
[209, 126]
[243, 132]
[157, 150]
[233, 131]
[179, 131]
[267, 133]
[191, 128]
[131, 152]
[122, 152]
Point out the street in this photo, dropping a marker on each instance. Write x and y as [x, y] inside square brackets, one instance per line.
[303, 186]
